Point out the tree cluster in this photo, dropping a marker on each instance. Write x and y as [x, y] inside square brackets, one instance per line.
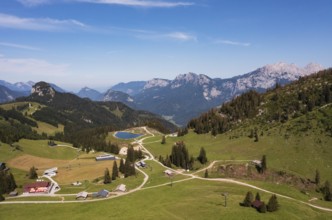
[261, 207]
[33, 173]
[7, 182]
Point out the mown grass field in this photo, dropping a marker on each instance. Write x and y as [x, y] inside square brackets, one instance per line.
[193, 199]
[301, 155]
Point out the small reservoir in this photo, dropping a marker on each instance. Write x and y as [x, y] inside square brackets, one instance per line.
[126, 135]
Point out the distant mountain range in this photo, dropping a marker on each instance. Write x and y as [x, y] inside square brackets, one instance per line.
[188, 94]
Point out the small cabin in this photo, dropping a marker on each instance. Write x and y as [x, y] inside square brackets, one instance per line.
[105, 157]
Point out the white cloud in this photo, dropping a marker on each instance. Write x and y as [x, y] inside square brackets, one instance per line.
[45, 24]
[181, 36]
[32, 67]
[31, 3]
[140, 3]
[234, 43]
[177, 36]
[19, 46]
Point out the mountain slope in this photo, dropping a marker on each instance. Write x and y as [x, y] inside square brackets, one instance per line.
[7, 95]
[275, 106]
[78, 113]
[92, 94]
[190, 94]
[117, 96]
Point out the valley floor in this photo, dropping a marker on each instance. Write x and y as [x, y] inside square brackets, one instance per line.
[187, 195]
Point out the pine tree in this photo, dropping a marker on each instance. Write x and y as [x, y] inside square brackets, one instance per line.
[115, 171]
[122, 167]
[273, 205]
[202, 156]
[248, 199]
[263, 164]
[262, 208]
[258, 197]
[2, 198]
[33, 173]
[206, 174]
[327, 191]
[107, 177]
[163, 140]
[11, 182]
[317, 178]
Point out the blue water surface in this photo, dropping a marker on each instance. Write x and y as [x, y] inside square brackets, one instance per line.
[126, 135]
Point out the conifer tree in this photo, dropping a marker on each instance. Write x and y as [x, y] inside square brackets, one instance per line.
[263, 164]
[206, 174]
[33, 173]
[248, 199]
[115, 171]
[163, 140]
[327, 191]
[122, 167]
[202, 156]
[2, 198]
[107, 177]
[273, 204]
[11, 182]
[258, 197]
[262, 208]
[317, 177]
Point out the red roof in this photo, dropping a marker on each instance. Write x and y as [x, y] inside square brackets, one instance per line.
[28, 186]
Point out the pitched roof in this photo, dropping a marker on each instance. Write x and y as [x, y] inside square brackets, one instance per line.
[256, 204]
[103, 193]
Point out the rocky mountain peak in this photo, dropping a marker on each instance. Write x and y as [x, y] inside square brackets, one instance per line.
[156, 83]
[192, 78]
[43, 89]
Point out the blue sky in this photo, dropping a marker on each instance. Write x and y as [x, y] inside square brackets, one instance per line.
[98, 43]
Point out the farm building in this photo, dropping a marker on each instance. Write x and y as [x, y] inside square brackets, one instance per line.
[82, 195]
[168, 172]
[102, 193]
[2, 166]
[121, 188]
[105, 157]
[256, 204]
[51, 172]
[141, 164]
[37, 187]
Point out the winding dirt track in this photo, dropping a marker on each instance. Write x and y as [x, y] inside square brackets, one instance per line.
[146, 178]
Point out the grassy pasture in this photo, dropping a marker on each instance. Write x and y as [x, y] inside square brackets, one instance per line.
[193, 199]
[47, 128]
[301, 155]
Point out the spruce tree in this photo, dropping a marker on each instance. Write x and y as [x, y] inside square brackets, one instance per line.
[258, 197]
[163, 140]
[248, 199]
[33, 173]
[202, 156]
[107, 177]
[122, 167]
[11, 182]
[2, 198]
[263, 164]
[262, 208]
[317, 178]
[273, 205]
[206, 174]
[115, 171]
[327, 191]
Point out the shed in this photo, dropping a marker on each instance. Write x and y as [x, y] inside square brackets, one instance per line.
[13, 193]
[102, 193]
[256, 204]
[105, 157]
[168, 172]
[82, 195]
[121, 188]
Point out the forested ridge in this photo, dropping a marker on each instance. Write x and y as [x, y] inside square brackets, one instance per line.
[277, 105]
